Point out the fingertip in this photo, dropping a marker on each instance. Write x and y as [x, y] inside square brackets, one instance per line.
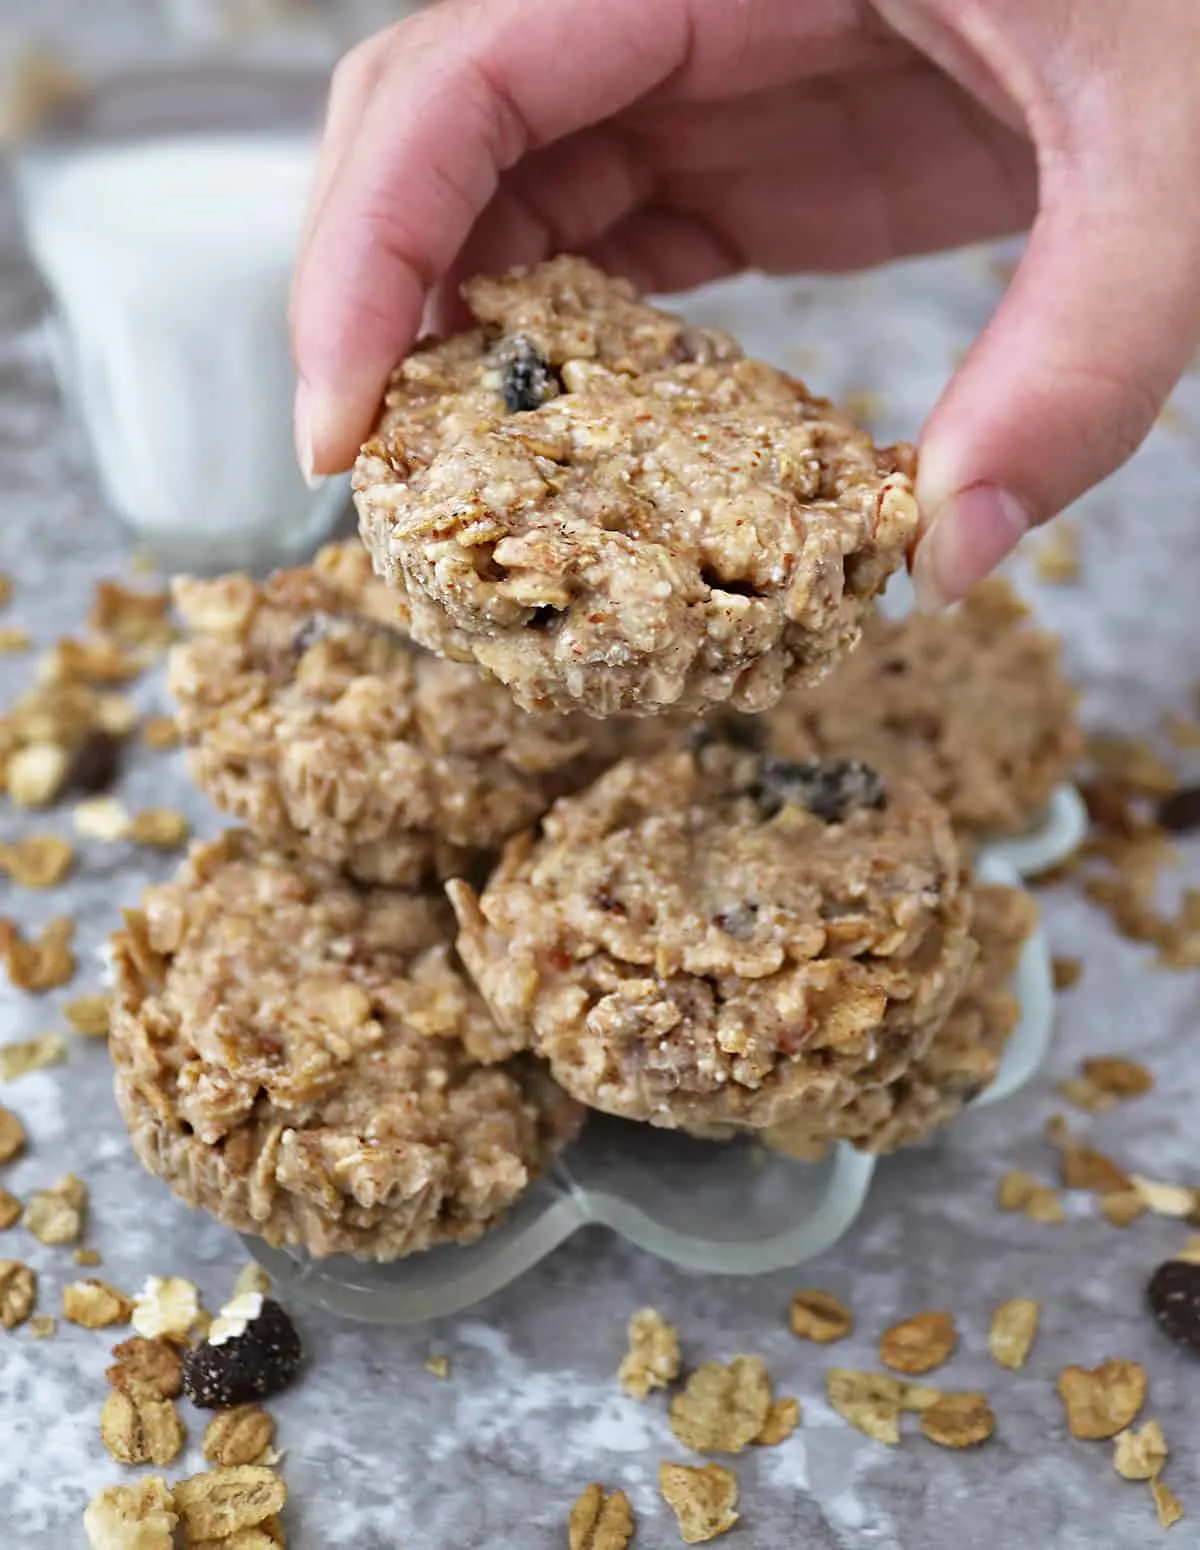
[969, 534]
[330, 429]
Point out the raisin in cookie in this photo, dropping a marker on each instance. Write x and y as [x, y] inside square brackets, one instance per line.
[612, 511]
[313, 720]
[300, 1056]
[706, 938]
[971, 705]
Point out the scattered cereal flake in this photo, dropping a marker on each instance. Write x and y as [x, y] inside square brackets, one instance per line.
[13, 640]
[1133, 762]
[142, 1430]
[599, 1521]
[782, 1420]
[36, 773]
[795, 1141]
[250, 1278]
[1067, 972]
[438, 1366]
[870, 1401]
[43, 1325]
[1175, 1200]
[102, 818]
[1122, 1207]
[12, 1132]
[820, 1316]
[722, 1408]
[130, 617]
[1085, 1095]
[1013, 1329]
[1056, 558]
[38, 861]
[1139, 1452]
[1085, 1168]
[162, 828]
[55, 1215]
[95, 1305]
[89, 1015]
[238, 1436]
[10, 1210]
[1045, 1207]
[18, 1292]
[1015, 1190]
[1120, 1077]
[161, 733]
[1104, 1400]
[146, 1368]
[222, 1501]
[1058, 1132]
[1166, 1504]
[96, 662]
[1182, 732]
[703, 1499]
[959, 1421]
[87, 1257]
[653, 1358]
[6, 589]
[140, 1516]
[17, 1060]
[43, 963]
[919, 1344]
[165, 1307]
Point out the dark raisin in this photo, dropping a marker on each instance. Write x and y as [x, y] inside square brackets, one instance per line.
[831, 789]
[716, 583]
[738, 920]
[259, 1362]
[608, 902]
[529, 380]
[1173, 1293]
[746, 732]
[1179, 813]
[544, 617]
[97, 763]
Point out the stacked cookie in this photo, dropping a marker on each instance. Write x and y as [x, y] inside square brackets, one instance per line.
[612, 845]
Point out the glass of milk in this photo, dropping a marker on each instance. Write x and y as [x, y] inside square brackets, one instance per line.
[164, 216]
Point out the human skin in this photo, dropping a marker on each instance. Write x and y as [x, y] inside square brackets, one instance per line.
[678, 141]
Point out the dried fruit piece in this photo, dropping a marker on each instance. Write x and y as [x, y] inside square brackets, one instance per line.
[1118, 1076]
[722, 1408]
[600, 1522]
[959, 1421]
[17, 1060]
[1085, 1168]
[1166, 1504]
[235, 1368]
[1174, 1200]
[97, 760]
[1173, 1293]
[162, 828]
[95, 1305]
[820, 1316]
[43, 963]
[782, 1420]
[12, 1133]
[870, 1401]
[38, 861]
[165, 1307]
[149, 1369]
[653, 1358]
[222, 1501]
[528, 380]
[10, 1210]
[18, 1292]
[830, 789]
[142, 1430]
[89, 1015]
[238, 1436]
[55, 1215]
[1140, 1452]
[1104, 1400]
[919, 1344]
[141, 1516]
[703, 1499]
[1012, 1333]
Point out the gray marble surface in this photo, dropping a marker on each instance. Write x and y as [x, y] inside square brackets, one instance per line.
[380, 1455]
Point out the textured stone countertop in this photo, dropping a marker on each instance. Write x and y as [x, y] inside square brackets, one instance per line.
[379, 1453]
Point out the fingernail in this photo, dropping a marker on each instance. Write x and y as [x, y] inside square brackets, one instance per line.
[305, 451]
[969, 535]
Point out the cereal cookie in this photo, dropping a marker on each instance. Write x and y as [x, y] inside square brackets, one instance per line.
[314, 720]
[613, 511]
[971, 705]
[300, 1055]
[708, 938]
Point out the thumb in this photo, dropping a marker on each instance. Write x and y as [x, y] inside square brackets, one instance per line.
[1072, 371]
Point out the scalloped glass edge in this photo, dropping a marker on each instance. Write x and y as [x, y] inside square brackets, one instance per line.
[655, 1189]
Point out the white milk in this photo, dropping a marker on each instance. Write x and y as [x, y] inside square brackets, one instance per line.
[170, 262]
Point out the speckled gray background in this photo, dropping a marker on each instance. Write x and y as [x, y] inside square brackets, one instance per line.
[379, 1453]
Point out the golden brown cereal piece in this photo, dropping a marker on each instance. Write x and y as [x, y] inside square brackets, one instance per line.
[36, 773]
[959, 1421]
[166, 1308]
[161, 828]
[95, 1305]
[721, 1409]
[130, 617]
[222, 1501]
[12, 1132]
[89, 1015]
[140, 1516]
[1045, 1206]
[43, 1325]
[782, 1420]
[42, 963]
[6, 589]
[702, 1498]
[56, 1215]
[653, 1358]
[87, 1257]
[267, 1535]
[238, 1436]
[161, 733]
[1122, 1207]
[1166, 1504]
[10, 1210]
[1077, 1090]
[1013, 1331]
[919, 1344]
[1140, 1452]
[102, 818]
[1118, 1076]
[140, 1431]
[1173, 1200]
[1085, 1168]
[150, 1369]
[18, 1292]
[1015, 1190]
[870, 1401]
[17, 1060]
[437, 1366]
[1067, 972]
[14, 640]
[819, 1316]
[599, 1521]
[38, 861]
[1104, 1400]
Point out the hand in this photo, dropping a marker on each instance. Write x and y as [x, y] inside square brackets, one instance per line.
[677, 141]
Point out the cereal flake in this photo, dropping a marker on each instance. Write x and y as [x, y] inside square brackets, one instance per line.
[17, 1060]
[89, 1015]
[10, 1210]
[95, 1305]
[1167, 1505]
[819, 1316]
[18, 1292]
[1139, 1452]
[149, 1369]
[238, 1436]
[703, 1499]
[782, 1420]
[12, 1132]
[1013, 1330]
[141, 1430]
[919, 1344]
[166, 1307]
[38, 861]
[722, 1408]
[140, 1516]
[222, 1501]
[1104, 1400]
[43, 963]
[599, 1521]
[959, 1421]
[56, 1215]
[653, 1358]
